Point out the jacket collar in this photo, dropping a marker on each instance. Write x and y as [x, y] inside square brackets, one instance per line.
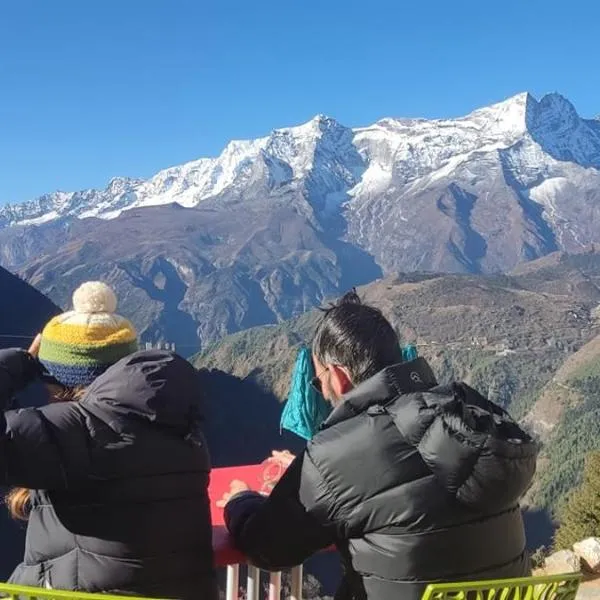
[393, 381]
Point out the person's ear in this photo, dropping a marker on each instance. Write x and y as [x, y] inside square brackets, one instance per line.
[341, 382]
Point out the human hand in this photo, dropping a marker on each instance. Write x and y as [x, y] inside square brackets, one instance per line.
[34, 349]
[235, 487]
[283, 457]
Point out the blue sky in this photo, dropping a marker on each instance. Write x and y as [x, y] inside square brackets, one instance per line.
[97, 88]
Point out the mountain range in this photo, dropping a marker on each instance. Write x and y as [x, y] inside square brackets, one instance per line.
[272, 226]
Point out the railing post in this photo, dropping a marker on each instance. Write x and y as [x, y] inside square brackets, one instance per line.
[233, 582]
[296, 585]
[275, 586]
[253, 583]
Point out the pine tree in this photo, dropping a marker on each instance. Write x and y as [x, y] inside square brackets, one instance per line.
[580, 516]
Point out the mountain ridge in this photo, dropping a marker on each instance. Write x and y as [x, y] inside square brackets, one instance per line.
[274, 225]
[552, 119]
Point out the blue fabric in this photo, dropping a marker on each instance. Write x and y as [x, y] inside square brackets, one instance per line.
[409, 352]
[305, 408]
[73, 376]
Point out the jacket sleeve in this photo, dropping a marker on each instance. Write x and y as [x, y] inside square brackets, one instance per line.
[283, 530]
[44, 448]
[17, 370]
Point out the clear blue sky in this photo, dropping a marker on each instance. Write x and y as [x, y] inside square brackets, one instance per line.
[90, 89]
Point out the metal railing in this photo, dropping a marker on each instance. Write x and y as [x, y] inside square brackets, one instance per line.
[253, 584]
[226, 556]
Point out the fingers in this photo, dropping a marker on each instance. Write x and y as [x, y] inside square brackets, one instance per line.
[280, 454]
[222, 503]
[235, 487]
[285, 457]
[34, 349]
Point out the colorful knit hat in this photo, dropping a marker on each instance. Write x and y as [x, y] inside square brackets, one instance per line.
[81, 344]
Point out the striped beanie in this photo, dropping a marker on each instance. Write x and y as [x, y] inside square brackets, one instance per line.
[79, 345]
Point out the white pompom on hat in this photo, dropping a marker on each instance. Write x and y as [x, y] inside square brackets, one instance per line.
[94, 297]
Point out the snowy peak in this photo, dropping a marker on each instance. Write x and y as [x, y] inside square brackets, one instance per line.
[413, 149]
[285, 155]
[504, 119]
[330, 163]
[315, 127]
[555, 125]
[121, 185]
[297, 145]
[553, 112]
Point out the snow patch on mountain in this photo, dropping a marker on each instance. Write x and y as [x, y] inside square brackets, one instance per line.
[333, 165]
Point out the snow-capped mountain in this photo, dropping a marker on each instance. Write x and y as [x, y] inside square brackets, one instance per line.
[273, 225]
[337, 159]
[321, 148]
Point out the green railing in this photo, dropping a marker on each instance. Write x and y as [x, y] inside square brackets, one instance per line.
[21, 592]
[555, 587]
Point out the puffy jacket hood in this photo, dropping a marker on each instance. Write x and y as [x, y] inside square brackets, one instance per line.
[477, 452]
[154, 385]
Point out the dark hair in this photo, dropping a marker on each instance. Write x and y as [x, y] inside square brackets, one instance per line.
[356, 336]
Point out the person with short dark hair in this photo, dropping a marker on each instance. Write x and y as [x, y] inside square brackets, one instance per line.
[356, 340]
[413, 481]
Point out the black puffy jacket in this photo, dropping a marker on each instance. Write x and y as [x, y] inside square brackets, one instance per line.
[119, 480]
[413, 482]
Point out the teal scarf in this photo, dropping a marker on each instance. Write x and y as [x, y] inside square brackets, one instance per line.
[306, 409]
[409, 352]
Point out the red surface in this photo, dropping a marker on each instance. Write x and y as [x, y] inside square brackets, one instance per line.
[225, 552]
[257, 477]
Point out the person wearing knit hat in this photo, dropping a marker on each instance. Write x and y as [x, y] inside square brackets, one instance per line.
[79, 345]
[112, 473]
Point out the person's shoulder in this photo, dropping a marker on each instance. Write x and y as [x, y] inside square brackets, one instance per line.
[57, 416]
[18, 363]
[14, 355]
[364, 435]
[61, 413]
